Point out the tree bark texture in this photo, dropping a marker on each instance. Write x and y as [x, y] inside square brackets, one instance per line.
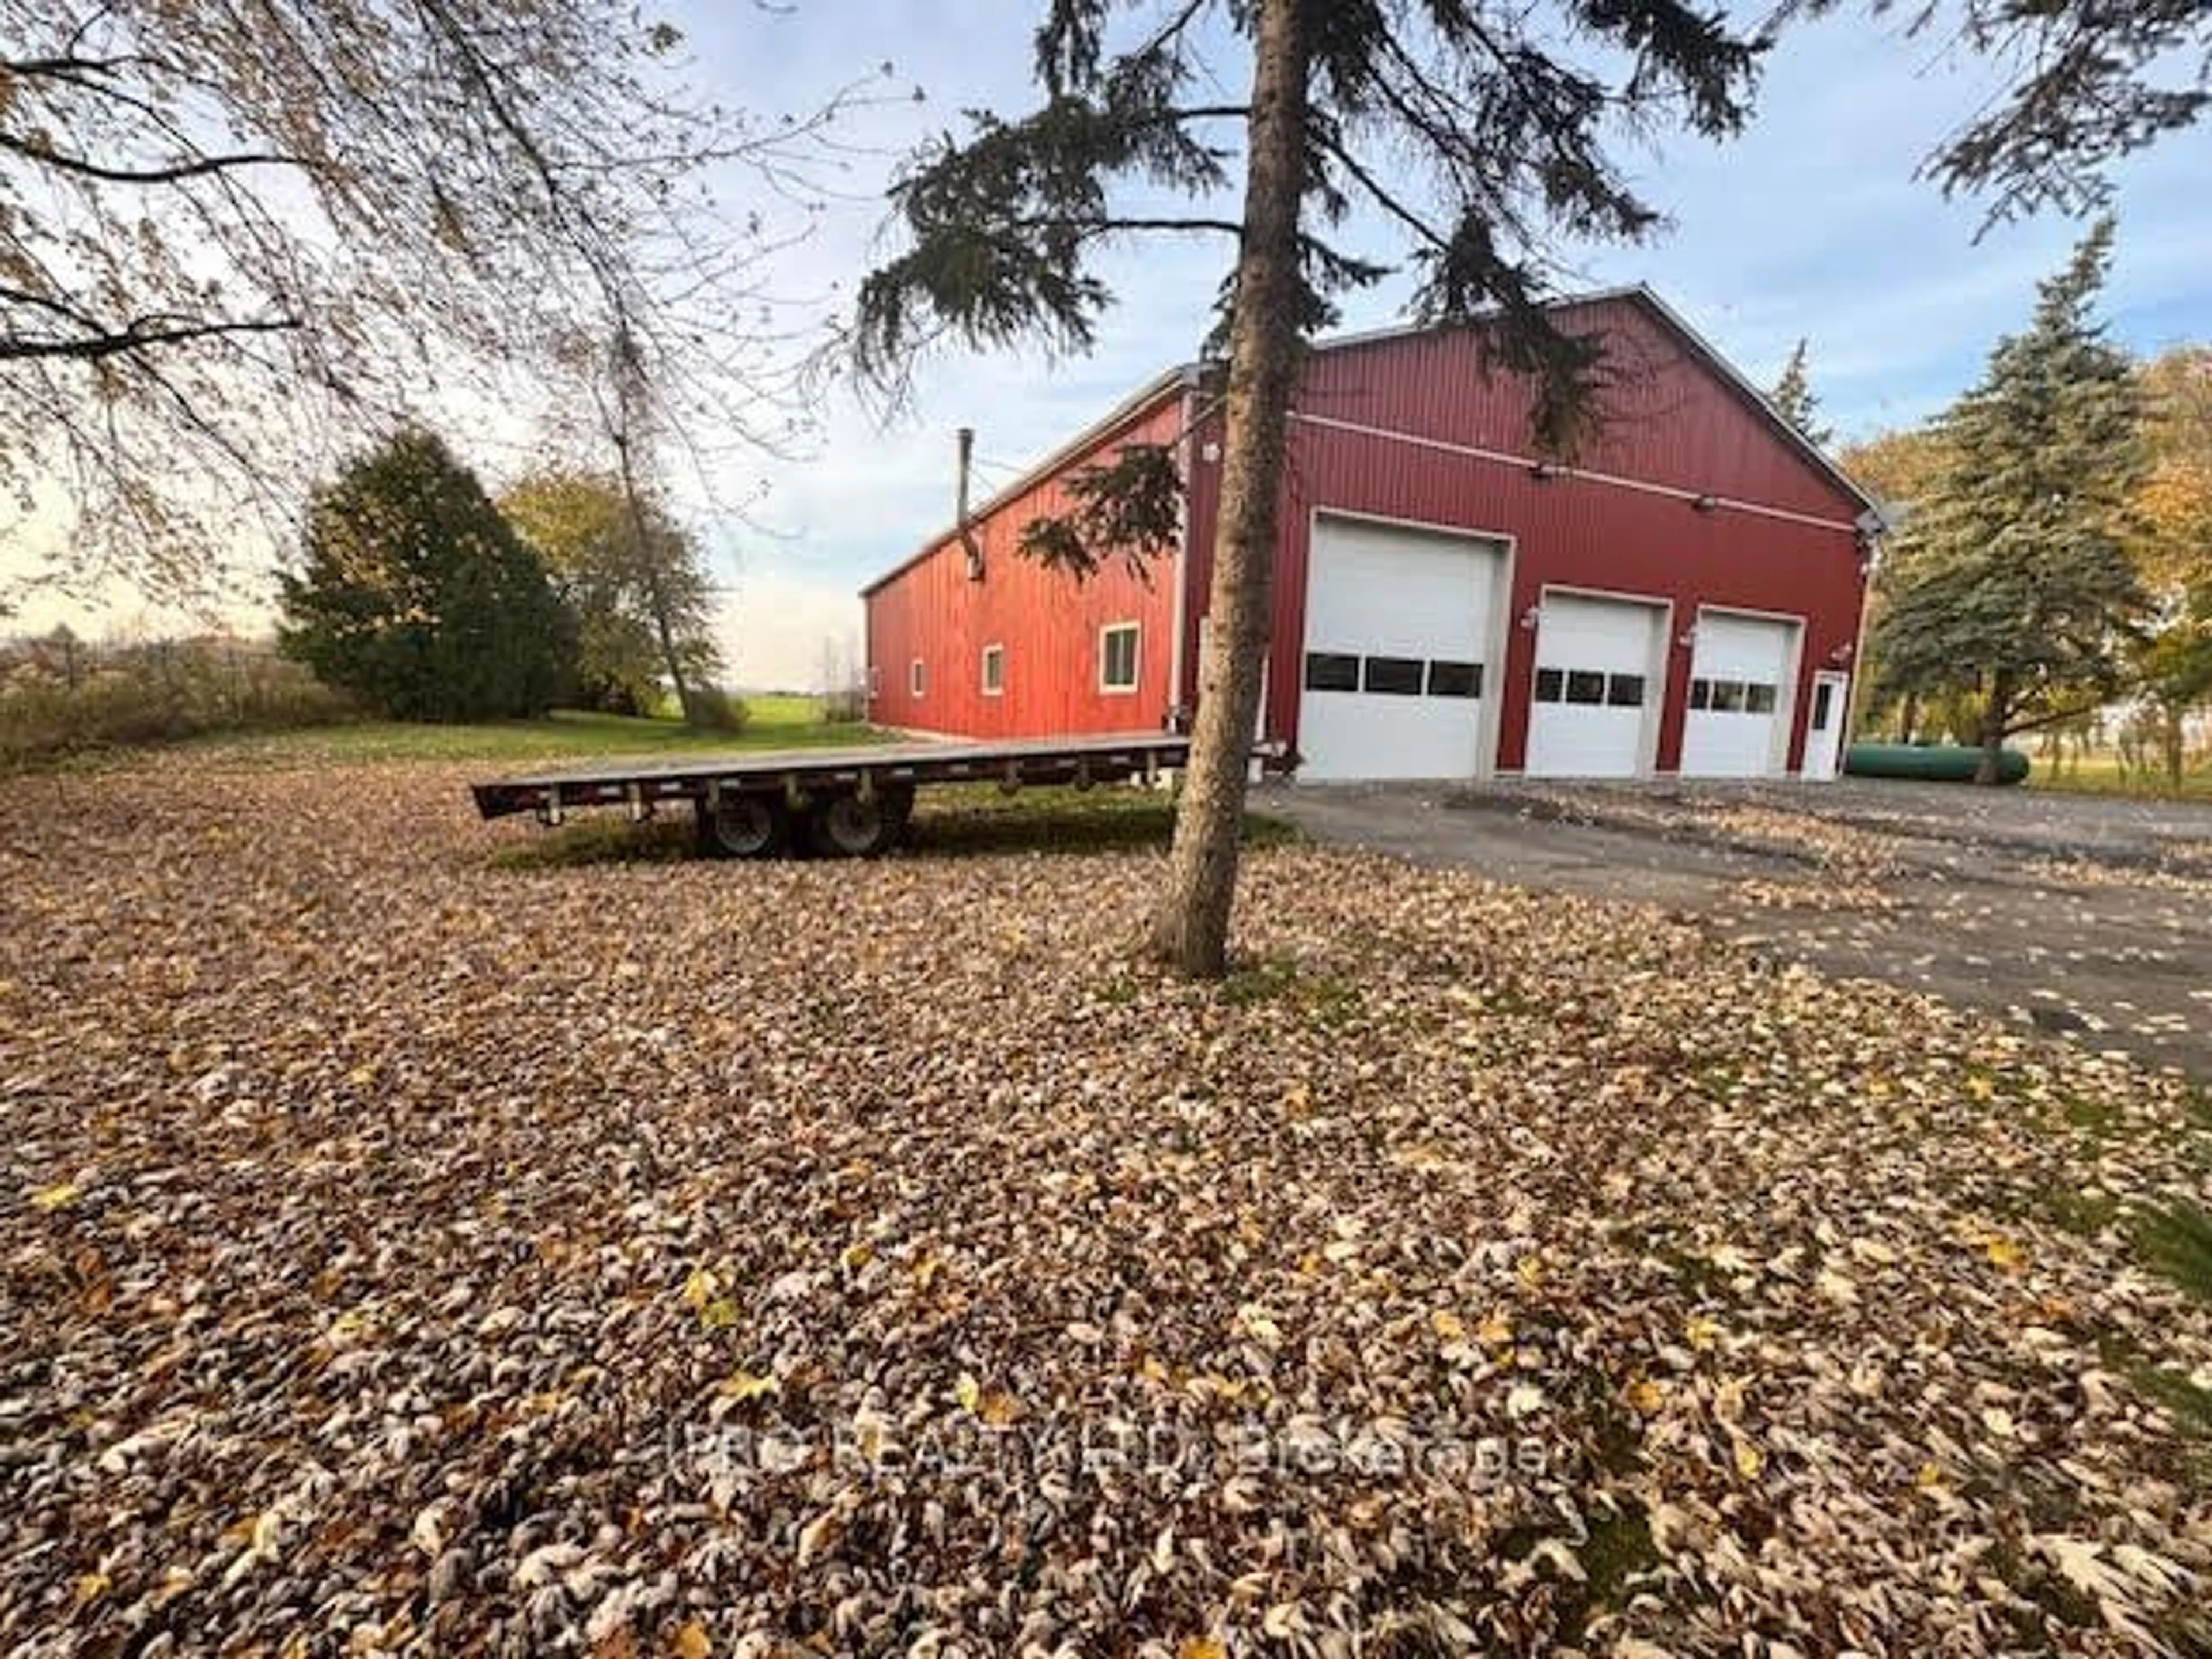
[1191, 930]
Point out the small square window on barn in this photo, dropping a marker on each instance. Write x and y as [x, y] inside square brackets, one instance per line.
[1396, 676]
[1624, 691]
[995, 670]
[1455, 679]
[917, 679]
[1586, 686]
[1117, 656]
[1550, 685]
[1332, 671]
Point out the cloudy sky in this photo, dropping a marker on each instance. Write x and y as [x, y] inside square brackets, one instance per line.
[1810, 224]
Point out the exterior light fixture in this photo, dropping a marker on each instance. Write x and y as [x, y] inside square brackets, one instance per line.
[1530, 616]
[1687, 638]
[1707, 503]
[1543, 471]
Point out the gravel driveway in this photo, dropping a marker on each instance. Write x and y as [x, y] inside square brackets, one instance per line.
[2089, 916]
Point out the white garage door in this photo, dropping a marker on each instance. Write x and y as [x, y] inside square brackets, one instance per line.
[1597, 673]
[1741, 697]
[1398, 625]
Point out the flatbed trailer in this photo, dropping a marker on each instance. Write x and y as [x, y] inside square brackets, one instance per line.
[848, 803]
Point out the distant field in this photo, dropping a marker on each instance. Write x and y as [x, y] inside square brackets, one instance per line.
[774, 722]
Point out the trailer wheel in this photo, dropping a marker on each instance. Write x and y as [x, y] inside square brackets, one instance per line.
[847, 827]
[742, 826]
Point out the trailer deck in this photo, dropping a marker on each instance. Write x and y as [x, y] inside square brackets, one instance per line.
[849, 802]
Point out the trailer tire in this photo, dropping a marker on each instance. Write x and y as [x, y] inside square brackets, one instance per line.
[847, 827]
[744, 826]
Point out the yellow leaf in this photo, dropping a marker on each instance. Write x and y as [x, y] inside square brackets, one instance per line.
[1201, 1647]
[691, 1642]
[55, 1198]
[699, 1288]
[91, 1586]
[1930, 1479]
[1748, 1461]
[1531, 1271]
[1981, 1088]
[999, 1409]
[742, 1386]
[1258, 1326]
[1448, 1326]
[1701, 1331]
[858, 1255]
[1645, 1397]
[968, 1392]
[2007, 1255]
[1497, 1330]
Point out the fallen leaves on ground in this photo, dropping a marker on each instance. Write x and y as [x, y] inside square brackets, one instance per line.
[399, 1252]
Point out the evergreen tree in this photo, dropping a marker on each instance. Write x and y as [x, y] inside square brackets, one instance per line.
[1793, 398]
[1349, 105]
[2015, 583]
[417, 597]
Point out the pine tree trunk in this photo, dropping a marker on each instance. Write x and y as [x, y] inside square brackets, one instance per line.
[1988, 769]
[1191, 930]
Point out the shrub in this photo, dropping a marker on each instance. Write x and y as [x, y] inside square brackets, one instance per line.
[713, 709]
[53, 706]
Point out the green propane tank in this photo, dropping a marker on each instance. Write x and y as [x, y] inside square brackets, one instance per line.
[1929, 763]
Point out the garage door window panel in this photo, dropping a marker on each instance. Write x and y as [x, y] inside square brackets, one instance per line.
[1586, 687]
[1759, 700]
[1393, 677]
[1455, 679]
[1550, 685]
[1332, 671]
[1624, 691]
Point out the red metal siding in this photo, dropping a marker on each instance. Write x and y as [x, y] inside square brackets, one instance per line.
[1671, 420]
[1048, 624]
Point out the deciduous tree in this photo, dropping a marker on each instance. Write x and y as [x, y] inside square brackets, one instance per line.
[236, 233]
[644, 604]
[414, 593]
[2015, 581]
[2173, 545]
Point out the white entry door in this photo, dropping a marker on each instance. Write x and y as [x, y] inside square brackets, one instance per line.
[1742, 693]
[1599, 664]
[1398, 625]
[1824, 730]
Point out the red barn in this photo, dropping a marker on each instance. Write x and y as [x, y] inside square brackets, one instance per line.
[1684, 597]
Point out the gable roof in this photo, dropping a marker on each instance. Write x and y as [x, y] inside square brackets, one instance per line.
[1644, 296]
[1637, 294]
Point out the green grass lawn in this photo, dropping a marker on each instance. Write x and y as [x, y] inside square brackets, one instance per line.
[773, 722]
[2101, 774]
